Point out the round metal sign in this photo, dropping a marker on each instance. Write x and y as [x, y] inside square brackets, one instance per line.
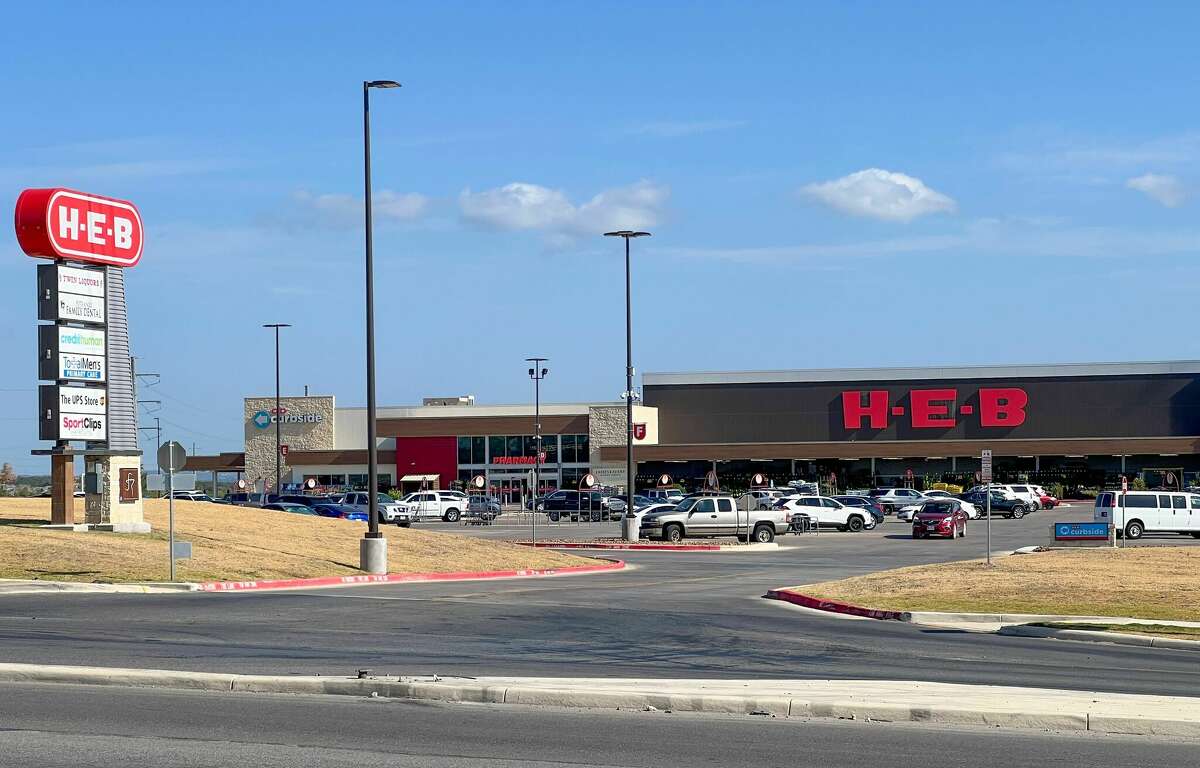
[587, 481]
[478, 481]
[710, 479]
[664, 481]
[759, 479]
[1124, 484]
[241, 484]
[310, 483]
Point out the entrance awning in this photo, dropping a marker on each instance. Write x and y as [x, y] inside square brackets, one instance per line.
[419, 478]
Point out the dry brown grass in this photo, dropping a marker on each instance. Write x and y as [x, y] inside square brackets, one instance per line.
[1142, 582]
[238, 543]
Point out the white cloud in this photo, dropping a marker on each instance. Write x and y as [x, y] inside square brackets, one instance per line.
[1167, 190]
[880, 194]
[673, 129]
[345, 211]
[524, 206]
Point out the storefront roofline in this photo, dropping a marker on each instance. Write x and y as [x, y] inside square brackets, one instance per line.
[461, 411]
[883, 449]
[1049, 370]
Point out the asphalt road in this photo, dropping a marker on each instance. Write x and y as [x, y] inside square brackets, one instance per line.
[79, 727]
[672, 616]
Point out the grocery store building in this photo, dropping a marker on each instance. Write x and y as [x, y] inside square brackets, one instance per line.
[1082, 425]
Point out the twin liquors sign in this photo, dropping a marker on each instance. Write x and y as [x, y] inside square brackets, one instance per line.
[83, 234]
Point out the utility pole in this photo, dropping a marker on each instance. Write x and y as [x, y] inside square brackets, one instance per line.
[537, 373]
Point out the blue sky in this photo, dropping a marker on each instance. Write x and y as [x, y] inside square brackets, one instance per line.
[837, 185]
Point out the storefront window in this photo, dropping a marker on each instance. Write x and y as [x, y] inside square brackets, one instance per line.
[550, 448]
[497, 446]
[516, 446]
[470, 450]
[530, 446]
[574, 449]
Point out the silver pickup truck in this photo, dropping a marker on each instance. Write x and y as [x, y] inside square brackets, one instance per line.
[698, 516]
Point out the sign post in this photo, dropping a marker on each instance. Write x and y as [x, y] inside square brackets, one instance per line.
[985, 472]
[172, 456]
[1122, 500]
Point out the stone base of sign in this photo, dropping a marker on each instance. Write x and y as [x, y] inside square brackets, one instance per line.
[62, 489]
[118, 507]
[76, 527]
[139, 527]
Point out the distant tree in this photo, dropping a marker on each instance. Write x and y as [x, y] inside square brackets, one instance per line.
[8, 475]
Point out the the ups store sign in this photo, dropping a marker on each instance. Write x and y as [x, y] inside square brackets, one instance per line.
[1026, 408]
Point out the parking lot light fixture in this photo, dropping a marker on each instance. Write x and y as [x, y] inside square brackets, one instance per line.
[628, 234]
[537, 373]
[278, 415]
[372, 555]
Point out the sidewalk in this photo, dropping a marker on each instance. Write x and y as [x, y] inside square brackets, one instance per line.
[889, 701]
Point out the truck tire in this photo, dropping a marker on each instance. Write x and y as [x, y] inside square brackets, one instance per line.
[451, 515]
[1134, 529]
[854, 524]
[553, 517]
[404, 524]
[1018, 512]
[673, 533]
[763, 534]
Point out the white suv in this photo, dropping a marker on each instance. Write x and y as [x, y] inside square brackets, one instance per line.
[827, 511]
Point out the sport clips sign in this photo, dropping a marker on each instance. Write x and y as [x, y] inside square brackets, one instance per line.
[1001, 407]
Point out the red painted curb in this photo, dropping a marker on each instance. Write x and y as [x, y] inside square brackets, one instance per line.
[611, 545]
[832, 606]
[394, 578]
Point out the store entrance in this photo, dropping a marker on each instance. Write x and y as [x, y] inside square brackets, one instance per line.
[509, 489]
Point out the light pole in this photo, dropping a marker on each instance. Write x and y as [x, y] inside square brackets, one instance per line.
[537, 373]
[278, 415]
[628, 235]
[373, 549]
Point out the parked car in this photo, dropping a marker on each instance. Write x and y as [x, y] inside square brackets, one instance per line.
[189, 496]
[941, 517]
[892, 499]
[666, 494]
[1003, 504]
[286, 506]
[340, 511]
[827, 511]
[575, 505]
[713, 516]
[243, 499]
[1024, 493]
[481, 510]
[766, 497]
[968, 507]
[390, 510]
[436, 505]
[1045, 500]
[866, 502]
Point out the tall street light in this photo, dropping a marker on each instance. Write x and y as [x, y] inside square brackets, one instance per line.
[628, 235]
[278, 415]
[373, 549]
[537, 373]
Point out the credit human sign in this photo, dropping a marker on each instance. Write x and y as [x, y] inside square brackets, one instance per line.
[65, 224]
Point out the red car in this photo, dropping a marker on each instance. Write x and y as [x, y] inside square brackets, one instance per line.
[940, 518]
[1048, 501]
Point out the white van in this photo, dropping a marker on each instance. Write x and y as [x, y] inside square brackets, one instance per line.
[1138, 512]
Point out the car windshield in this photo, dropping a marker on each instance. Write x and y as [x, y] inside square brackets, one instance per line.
[686, 504]
[937, 507]
[879, 492]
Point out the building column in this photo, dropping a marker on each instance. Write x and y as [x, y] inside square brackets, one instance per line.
[1122, 463]
[62, 489]
[1037, 463]
[954, 464]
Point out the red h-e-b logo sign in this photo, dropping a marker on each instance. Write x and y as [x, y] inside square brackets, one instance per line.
[64, 224]
[934, 408]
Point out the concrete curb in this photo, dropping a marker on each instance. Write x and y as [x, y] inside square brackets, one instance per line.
[1099, 636]
[601, 545]
[37, 586]
[832, 606]
[404, 578]
[1003, 707]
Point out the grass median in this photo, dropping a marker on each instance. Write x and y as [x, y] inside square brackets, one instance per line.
[236, 544]
[1140, 582]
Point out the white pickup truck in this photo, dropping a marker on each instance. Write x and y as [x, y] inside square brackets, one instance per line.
[713, 516]
[437, 505]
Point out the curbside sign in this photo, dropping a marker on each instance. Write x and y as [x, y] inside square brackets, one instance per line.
[65, 224]
[1081, 531]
